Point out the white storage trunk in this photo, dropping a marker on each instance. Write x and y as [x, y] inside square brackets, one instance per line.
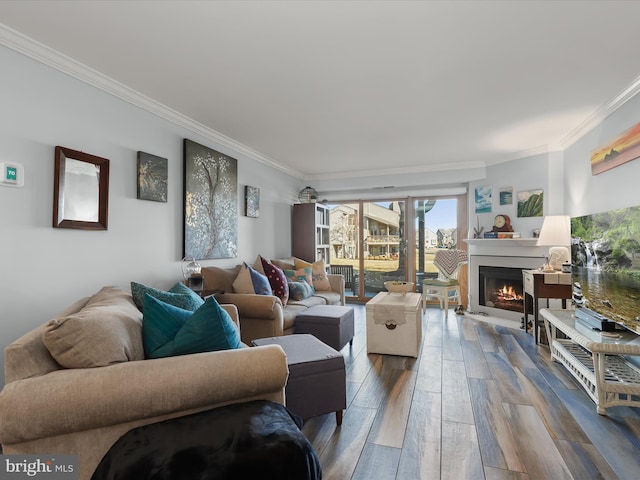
[401, 332]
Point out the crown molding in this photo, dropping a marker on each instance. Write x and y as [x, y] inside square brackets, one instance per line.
[396, 171]
[601, 113]
[54, 59]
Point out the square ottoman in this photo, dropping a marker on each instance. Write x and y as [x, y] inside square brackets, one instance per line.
[332, 324]
[317, 381]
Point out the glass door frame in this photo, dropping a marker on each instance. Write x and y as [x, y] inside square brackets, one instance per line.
[409, 234]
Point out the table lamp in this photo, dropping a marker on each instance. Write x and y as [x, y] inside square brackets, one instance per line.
[556, 232]
[191, 270]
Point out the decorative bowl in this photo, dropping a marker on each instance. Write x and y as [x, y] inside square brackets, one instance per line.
[398, 287]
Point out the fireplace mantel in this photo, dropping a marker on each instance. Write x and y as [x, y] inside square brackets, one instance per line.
[504, 242]
[500, 252]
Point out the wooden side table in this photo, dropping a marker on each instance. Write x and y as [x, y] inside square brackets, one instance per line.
[539, 284]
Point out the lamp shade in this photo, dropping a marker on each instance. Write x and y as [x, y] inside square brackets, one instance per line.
[556, 231]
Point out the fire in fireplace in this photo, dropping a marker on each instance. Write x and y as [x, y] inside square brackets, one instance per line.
[501, 287]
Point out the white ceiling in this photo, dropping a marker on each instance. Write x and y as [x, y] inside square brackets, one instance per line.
[322, 87]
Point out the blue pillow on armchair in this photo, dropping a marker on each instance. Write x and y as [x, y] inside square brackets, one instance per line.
[168, 330]
[179, 295]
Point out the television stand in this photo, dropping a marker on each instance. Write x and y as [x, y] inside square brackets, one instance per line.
[597, 361]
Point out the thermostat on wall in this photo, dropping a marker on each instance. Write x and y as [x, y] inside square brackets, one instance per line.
[11, 174]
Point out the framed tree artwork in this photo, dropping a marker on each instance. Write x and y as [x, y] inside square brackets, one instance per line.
[210, 203]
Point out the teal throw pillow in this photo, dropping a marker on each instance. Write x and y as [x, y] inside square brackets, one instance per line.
[301, 274]
[260, 282]
[300, 290]
[179, 295]
[168, 330]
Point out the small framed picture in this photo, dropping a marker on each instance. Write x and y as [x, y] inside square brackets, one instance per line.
[506, 195]
[530, 203]
[483, 199]
[152, 177]
[252, 201]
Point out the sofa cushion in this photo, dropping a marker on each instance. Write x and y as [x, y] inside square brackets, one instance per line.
[219, 279]
[168, 330]
[105, 331]
[243, 282]
[310, 301]
[284, 263]
[179, 295]
[277, 280]
[331, 298]
[318, 273]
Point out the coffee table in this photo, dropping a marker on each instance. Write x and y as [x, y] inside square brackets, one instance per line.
[599, 363]
[394, 324]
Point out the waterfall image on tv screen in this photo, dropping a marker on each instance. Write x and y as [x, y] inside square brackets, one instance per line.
[605, 253]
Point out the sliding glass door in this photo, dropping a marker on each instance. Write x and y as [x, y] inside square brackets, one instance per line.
[370, 240]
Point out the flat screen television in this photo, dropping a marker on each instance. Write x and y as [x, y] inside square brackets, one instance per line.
[605, 257]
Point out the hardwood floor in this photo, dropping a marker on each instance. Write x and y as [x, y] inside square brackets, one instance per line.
[480, 402]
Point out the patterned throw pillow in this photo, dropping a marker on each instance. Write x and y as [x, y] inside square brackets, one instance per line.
[300, 274]
[179, 295]
[168, 330]
[318, 272]
[277, 280]
[300, 290]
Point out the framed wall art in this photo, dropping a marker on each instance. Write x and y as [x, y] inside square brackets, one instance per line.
[210, 203]
[530, 203]
[506, 195]
[483, 199]
[624, 148]
[152, 177]
[251, 201]
[80, 190]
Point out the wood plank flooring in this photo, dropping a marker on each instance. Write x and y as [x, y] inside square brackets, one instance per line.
[480, 402]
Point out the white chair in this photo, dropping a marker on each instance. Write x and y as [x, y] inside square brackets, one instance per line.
[446, 287]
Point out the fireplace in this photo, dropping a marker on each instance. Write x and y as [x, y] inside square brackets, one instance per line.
[505, 259]
[501, 287]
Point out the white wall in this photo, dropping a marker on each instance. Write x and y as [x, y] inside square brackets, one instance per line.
[45, 269]
[531, 173]
[617, 188]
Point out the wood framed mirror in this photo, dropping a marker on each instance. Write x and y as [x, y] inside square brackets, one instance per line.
[80, 190]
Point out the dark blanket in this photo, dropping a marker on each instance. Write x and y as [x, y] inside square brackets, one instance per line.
[254, 440]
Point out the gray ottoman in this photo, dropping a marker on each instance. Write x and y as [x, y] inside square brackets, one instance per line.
[333, 324]
[317, 381]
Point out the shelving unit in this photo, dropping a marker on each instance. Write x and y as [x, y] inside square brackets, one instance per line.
[310, 231]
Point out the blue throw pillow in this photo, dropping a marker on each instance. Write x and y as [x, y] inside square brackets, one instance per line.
[179, 295]
[260, 282]
[168, 330]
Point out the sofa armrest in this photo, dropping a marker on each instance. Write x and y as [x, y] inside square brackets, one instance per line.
[337, 285]
[72, 400]
[260, 315]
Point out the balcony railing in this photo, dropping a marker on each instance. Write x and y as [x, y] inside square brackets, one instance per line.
[386, 239]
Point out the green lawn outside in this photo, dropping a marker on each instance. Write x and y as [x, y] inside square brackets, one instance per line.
[384, 265]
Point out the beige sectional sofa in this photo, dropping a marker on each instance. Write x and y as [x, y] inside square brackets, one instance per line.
[46, 408]
[264, 316]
